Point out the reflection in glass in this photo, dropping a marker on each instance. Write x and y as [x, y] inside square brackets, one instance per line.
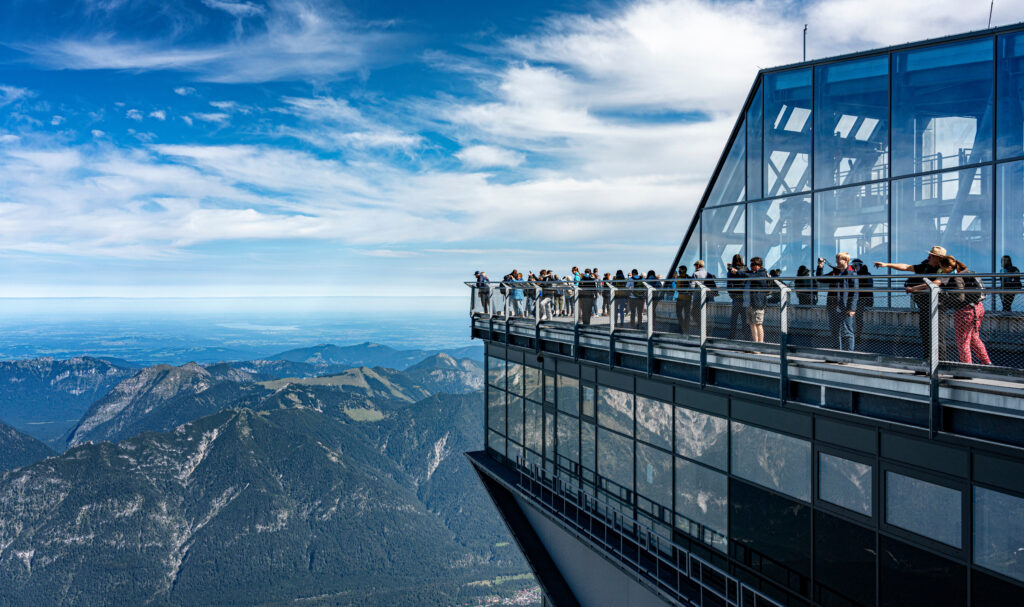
[587, 452]
[533, 388]
[855, 220]
[615, 458]
[1010, 213]
[845, 483]
[654, 474]
[496, 410]
[844, 562]
[549, 436]
[496, 441]
[569, 394]
[723, 231]
[569, 437]
[1010, 91]
[702, 437]
[549, 388]
[787, 136]
[780, 232]
[755, 144]
[515, 452]
[534, 427]
[772, 527]
[615, 409]
[999, 532]
[773, 460]
[654, 422]
[942, 107]
[924, 508]
[496, 372]
[952, 209]
[730, 184]
[702, 495]
[691, 252]
[515, 418]
[851, 122]
[515, 378]
[912, 576]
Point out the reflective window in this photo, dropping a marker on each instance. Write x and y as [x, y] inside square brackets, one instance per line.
[587, 451]
[654, 474]
[496, 410]
[952, 209]
[723, 231]
[654, 422]
[855, 220]
[776, 461]
[942, 107]
[588, 401]
[730, 184]
[844, 562]
[534, 427]
[702, 437]
[911, 576]
[496, 372]
[515, 452]
[780, 232]
[515, 378]
[569, 437]
[496, 441]
[787, 132]
[1010, 91]
[615, 409]
[999, 532]
[702, 496]
[691, 252]
[845, 483]
[1010, 214]
[774, 530]
[515, 418]
[924, 508]
[569, 394]
[533, 375]
[755, 129]
[549, 388]
[615, 458]
[851, 122]
[549, 436]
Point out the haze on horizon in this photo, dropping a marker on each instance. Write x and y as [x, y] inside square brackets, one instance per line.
[225, 148]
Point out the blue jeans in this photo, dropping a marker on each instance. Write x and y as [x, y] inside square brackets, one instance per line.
[517, 306]
[842, 325]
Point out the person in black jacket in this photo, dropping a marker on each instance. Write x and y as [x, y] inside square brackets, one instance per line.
[736, 290]
[754, 298]
[1009, 283]
[866, 299]
[841, 301]
[588, 294]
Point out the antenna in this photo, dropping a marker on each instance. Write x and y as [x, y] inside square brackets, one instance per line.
[805, 35]
[990, 7]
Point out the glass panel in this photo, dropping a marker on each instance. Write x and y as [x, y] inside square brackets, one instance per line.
[1010, 93]
[615, 458]
[924, 508]
[851, 122]
[496, 372]
[787, 136]
[774, 530]
[549, 389]
[691, 252]
[773, 460]
[569, 437]
[723, 231]
[730, 184]
[654, 422]
[951, 209]
[780, 232]
[845, 483]
[844, 562]
[534, 427]
[549, 436]
[515, 378]
[587, 451]
[1009, 223]
[990, 591]
[911, 576]
[702, 495]
[515, 452]
[702, 437]
[533, 383]
[942, 107]
[569, 394]
[999, 532]
[588, 401]
[515, 419]
[496, 441]
[615, 409]
[654, 475]
[755, 128]
[855, 220]
[496, 410]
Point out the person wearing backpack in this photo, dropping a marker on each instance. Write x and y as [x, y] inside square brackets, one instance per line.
[736, 288]
[1009, 283]
[962, 293]
[637, 297]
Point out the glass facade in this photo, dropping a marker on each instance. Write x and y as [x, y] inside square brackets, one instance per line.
[772, 460]
[924, 508]
[845, 483]
[999, 532]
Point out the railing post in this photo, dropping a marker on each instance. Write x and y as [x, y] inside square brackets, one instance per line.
[576, 323]
[934, 335]
[650, 329]
[472, 300]
[537, 293]
[783, 342]
[703, 326]
[508, 321]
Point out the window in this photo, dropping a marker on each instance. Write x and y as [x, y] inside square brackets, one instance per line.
[588, 401]
[845, 483]
[776, 461]
[496, 372]
[941, 107]
[534, 427]
[755, 144]
[533, 388]
[911, 576]
[549, 388]
[774, 532]
[615, 409]
[780, 232]
[691, 252]
[587, 447]
[787, 132]
[569, 437]
[924, 508]
[723, 231]
[844, 562]
[851, 122]
[702, 437]
[654, 422]
[855, 220]
[952, 209]
[496, 442]
[1010, 214]
[615, 459]
[654, 474]
[1010, 85]
[568, 395]
[549, 436]
[730, 184]
[515, 378]
[999, 532]
[702, 496]
[515, 419]
[496, 410]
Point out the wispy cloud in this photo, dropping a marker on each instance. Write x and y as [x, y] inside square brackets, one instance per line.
[10, 94]
[158, 114]
[485, 156]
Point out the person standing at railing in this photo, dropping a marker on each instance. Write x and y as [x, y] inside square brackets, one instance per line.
[1010, 283]
[700, 276]
[865, 300]
[736, 290]
[483, 290]
[559, 295]
[606, 294]
[841, 300]
[597, 289]
[621, 297]
[531, 293]
[635, 288]
[516, 295]
[962, 293]
[918, 291]
[547, 294]
[805, 293]
[588, 292]
[683, 297]
[755, 297]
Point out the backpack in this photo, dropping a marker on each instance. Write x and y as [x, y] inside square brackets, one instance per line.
[973, 289]
[709, 282]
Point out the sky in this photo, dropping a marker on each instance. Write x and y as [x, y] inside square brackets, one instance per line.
[246, 148]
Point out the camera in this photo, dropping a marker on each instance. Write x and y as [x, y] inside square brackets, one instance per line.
[821, 260]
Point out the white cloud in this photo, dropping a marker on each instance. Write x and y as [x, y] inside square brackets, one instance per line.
[483, 156]
[184, 91]
[134, 114]
[56, 120]
[158, 114]
[226, 106]
[96, 133]
[187, 120]
[211, 116]
[8, 138]
[237, 9]
[10, 94]
[333, 124]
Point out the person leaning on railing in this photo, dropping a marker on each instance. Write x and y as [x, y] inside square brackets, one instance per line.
[841, 299]
[918, 291]
[755, 297]
[737, 329]
[962, 294]
[516, 295]
[483, 290]
[588, 293]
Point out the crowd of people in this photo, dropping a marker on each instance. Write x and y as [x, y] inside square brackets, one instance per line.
[847, 285]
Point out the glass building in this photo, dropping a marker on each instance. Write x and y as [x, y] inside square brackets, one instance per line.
[639, 473]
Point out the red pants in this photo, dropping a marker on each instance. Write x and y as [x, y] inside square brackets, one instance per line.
[967, 326]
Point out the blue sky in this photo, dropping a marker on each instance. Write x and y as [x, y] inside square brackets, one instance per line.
[301, 147]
